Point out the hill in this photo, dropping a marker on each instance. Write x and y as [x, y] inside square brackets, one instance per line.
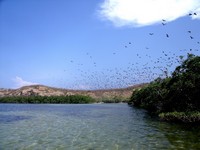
[122, 94]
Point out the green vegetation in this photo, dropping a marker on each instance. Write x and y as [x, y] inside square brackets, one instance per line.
[69, 99]
[175, 97]
[181, 116]
[115, 99]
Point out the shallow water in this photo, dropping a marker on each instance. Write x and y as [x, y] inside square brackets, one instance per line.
[89, 127]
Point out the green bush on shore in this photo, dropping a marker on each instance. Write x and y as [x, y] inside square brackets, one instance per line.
[68, 99]
[178, 93]
[187, 117]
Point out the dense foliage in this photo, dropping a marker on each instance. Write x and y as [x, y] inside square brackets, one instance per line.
[69, 99]
[178, 93]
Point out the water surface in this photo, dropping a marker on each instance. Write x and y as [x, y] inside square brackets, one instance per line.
[89, 127]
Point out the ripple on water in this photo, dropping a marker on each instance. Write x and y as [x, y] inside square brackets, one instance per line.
[97, 127]
[12, 118]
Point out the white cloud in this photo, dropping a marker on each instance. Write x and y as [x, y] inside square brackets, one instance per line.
[146, 12]
[19, 82]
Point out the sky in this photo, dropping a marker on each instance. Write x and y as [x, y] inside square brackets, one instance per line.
[95, 44]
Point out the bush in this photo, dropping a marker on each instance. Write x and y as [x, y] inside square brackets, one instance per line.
[178, 93]
[189, 117]
[69, 99]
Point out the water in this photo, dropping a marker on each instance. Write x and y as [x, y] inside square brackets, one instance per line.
[89, 127]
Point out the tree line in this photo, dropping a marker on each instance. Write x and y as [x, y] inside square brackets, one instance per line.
[68, 99]
[175, 98]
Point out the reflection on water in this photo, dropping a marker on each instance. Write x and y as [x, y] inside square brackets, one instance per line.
[90, 127]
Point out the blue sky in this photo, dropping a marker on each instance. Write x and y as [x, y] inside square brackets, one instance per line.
[95, 44]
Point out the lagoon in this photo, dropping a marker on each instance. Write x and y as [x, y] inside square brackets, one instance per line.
[89, 127]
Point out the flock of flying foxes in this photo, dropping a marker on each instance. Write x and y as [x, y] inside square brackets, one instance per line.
[145, 69]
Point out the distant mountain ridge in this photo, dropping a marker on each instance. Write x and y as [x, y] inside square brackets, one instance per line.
[99, 95]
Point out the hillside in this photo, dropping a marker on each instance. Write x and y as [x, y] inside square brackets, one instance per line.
[98, 95]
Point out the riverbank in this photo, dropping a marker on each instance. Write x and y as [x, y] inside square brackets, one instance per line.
[68, 99]
[181, 117]
[176, 117]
